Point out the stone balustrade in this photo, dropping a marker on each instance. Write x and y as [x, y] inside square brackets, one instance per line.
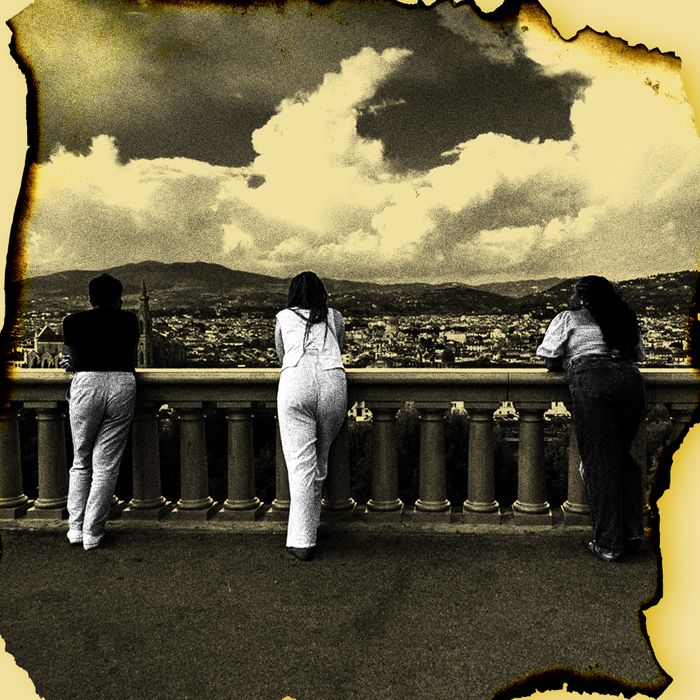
[191, 392]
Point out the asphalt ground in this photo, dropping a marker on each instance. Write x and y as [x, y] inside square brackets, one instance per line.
[156, 614]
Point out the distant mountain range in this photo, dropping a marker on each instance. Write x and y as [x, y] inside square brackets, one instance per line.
[199, 285]
[519, 288]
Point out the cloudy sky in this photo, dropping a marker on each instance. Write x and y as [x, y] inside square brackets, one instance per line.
[364, 140]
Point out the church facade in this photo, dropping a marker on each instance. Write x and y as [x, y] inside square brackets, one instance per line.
[47, 351]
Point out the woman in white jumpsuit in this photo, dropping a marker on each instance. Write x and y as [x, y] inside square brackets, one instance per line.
[311, 401]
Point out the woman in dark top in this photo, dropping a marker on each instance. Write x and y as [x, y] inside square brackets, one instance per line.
[597, 343]
[102, 346]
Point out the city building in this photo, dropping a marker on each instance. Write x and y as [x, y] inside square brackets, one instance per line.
[47, 351]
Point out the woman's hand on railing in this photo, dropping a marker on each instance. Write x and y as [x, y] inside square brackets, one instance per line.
[65, 362]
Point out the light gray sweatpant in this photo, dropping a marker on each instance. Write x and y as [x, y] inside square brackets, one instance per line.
[311, 408]
[101, 407]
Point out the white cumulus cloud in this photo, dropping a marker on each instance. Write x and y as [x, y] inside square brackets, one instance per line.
[620, 194]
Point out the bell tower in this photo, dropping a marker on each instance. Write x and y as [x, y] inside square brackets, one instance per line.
[144, 356]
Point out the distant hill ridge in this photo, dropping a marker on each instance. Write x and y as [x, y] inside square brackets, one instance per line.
[191, 284]
[156, 275]
[520, 288]
[159, 275]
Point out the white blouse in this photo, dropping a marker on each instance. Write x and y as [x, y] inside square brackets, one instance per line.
[575, 333]
[323, 340]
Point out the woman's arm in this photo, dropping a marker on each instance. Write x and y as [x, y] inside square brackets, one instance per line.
[552, 349]
[279, 343]
[339, 329]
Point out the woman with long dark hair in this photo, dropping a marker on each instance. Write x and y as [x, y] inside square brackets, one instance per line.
[311, 401]
[597, 342]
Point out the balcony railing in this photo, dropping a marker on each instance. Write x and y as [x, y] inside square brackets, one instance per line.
[190, 393]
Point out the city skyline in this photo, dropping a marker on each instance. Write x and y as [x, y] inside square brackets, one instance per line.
[227, 320]
[278, 140]
[245, 339]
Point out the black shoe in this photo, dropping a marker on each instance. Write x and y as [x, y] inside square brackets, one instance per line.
[602, 553]
[301, 553]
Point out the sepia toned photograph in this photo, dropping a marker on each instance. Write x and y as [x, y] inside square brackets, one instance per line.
[348, 347]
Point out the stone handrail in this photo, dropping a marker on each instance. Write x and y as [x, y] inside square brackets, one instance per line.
[190, 391]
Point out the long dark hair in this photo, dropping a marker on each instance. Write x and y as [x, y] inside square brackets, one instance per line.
[610, 311]
[307, 291]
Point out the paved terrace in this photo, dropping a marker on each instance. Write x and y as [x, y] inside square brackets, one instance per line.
[199, 611]
[423, 599]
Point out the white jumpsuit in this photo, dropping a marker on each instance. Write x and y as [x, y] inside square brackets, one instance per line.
[311, 408]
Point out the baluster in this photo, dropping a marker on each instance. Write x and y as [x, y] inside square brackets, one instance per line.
[53, 470]
[242, 503]
[337, 502]
[531, 508]
[681, 416]
[384, 502]
[148, 501]
[639, 453]
[195, 502]
[431, 503]
[13, 502]
[481, 505]
[280, 504]
[575, 509]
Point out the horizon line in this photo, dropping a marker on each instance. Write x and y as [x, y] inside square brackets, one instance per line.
[338, 279]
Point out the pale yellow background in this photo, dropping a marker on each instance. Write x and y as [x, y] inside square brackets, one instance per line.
[670, 25]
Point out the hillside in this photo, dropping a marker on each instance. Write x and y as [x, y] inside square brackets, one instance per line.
[190, 285]
[199, 285]
[519, 288]
[670, 292]
[202, 276]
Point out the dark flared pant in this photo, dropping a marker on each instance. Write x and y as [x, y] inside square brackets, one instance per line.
[608, 409]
